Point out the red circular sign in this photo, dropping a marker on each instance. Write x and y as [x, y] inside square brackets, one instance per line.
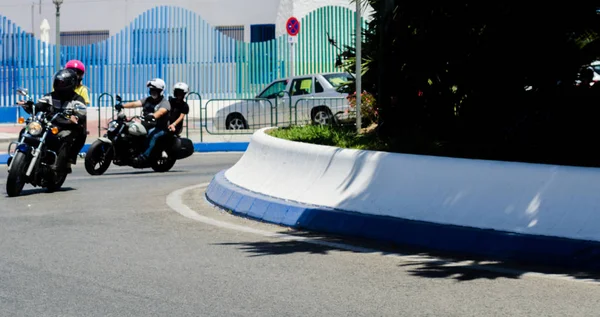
[292, 26]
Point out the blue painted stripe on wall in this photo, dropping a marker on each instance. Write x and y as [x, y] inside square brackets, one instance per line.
[221, 147]
[496, 245]
[8, 114]
[198, 147]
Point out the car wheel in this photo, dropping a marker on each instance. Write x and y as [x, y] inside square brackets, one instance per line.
[322, 116]
[236, 122]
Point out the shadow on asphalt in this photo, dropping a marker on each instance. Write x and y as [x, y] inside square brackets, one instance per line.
[141, 172]
[429, 264]
[35, 191]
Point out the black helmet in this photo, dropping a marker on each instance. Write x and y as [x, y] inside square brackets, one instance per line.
[65, 81]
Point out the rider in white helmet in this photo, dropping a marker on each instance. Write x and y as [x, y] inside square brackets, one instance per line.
[156, 113]
[179, 108]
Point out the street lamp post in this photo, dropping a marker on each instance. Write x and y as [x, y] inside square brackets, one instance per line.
[358, 66]
[57, 3]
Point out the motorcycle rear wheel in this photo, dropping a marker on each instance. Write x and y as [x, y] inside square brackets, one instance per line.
[163, 164]
[57, 183]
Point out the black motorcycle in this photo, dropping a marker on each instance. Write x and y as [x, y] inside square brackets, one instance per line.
[35, 160]
[125, 139]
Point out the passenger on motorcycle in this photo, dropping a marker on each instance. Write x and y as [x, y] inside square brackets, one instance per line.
[179, 108]
[64, 99]
[156, 114]
[80, 89]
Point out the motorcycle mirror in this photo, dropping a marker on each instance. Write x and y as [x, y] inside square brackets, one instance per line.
[22, 91]
[119, 99]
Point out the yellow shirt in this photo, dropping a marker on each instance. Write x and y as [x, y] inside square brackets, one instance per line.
[83, 92]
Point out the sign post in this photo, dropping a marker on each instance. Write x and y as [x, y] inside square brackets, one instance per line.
[292, 26]
[358, 67]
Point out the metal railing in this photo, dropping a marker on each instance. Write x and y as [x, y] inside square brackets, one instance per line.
[112, 102]
[280, 101]
[245, 116]
[238, 116]
[194, 114]
[321, 110]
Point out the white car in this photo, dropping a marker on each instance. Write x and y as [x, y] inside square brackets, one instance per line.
[297, 100]
[596, 67]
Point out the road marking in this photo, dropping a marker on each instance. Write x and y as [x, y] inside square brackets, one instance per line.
[175, 201]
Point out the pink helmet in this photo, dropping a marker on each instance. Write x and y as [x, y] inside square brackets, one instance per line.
[75, 64]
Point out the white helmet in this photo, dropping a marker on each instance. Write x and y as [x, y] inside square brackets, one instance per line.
[157, 83]
[182, 86]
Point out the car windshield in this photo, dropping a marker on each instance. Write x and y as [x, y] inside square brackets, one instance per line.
[337, 80]
[273, 89]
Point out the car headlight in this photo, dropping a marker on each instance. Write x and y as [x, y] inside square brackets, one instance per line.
[112, 126]
[34, 128]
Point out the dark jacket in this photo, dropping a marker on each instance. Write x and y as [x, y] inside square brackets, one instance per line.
[52, 104]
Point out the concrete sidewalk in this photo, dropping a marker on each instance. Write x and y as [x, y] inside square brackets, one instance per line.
[8, 133]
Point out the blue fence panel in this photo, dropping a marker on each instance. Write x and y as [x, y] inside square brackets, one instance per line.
[8, 114]
[177, 45]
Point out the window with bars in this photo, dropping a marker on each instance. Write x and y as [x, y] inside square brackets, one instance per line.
[225, 43]
[81, 38]
[235, 32]
[87, 46]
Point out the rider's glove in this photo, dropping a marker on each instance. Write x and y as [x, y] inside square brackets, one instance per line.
[118, 107]
[149, 118]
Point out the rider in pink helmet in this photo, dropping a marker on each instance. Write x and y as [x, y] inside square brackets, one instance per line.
[81, 90]
[79, 68]
[76, 66]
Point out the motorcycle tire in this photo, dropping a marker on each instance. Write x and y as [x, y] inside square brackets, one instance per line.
[98, 158]
[57, 183]
[163, 164]
[16, 176]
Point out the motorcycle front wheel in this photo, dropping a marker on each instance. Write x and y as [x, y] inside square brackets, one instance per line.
[16, 176]
[98, 158]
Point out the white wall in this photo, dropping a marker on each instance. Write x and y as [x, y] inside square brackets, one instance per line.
[114, 15]
[515, 197]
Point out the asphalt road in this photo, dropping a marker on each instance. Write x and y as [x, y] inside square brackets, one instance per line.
[125, 244]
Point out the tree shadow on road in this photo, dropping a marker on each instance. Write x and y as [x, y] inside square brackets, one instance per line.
[279, 248]
[418, 262]
[461, 272]
[142, 172]
[296, 242]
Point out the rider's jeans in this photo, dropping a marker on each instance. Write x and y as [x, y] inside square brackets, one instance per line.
[153, 137]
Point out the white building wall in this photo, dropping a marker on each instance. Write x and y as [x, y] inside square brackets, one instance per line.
[114, 15]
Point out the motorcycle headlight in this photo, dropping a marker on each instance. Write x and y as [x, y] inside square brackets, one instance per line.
[112, 126]
[34, 128]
